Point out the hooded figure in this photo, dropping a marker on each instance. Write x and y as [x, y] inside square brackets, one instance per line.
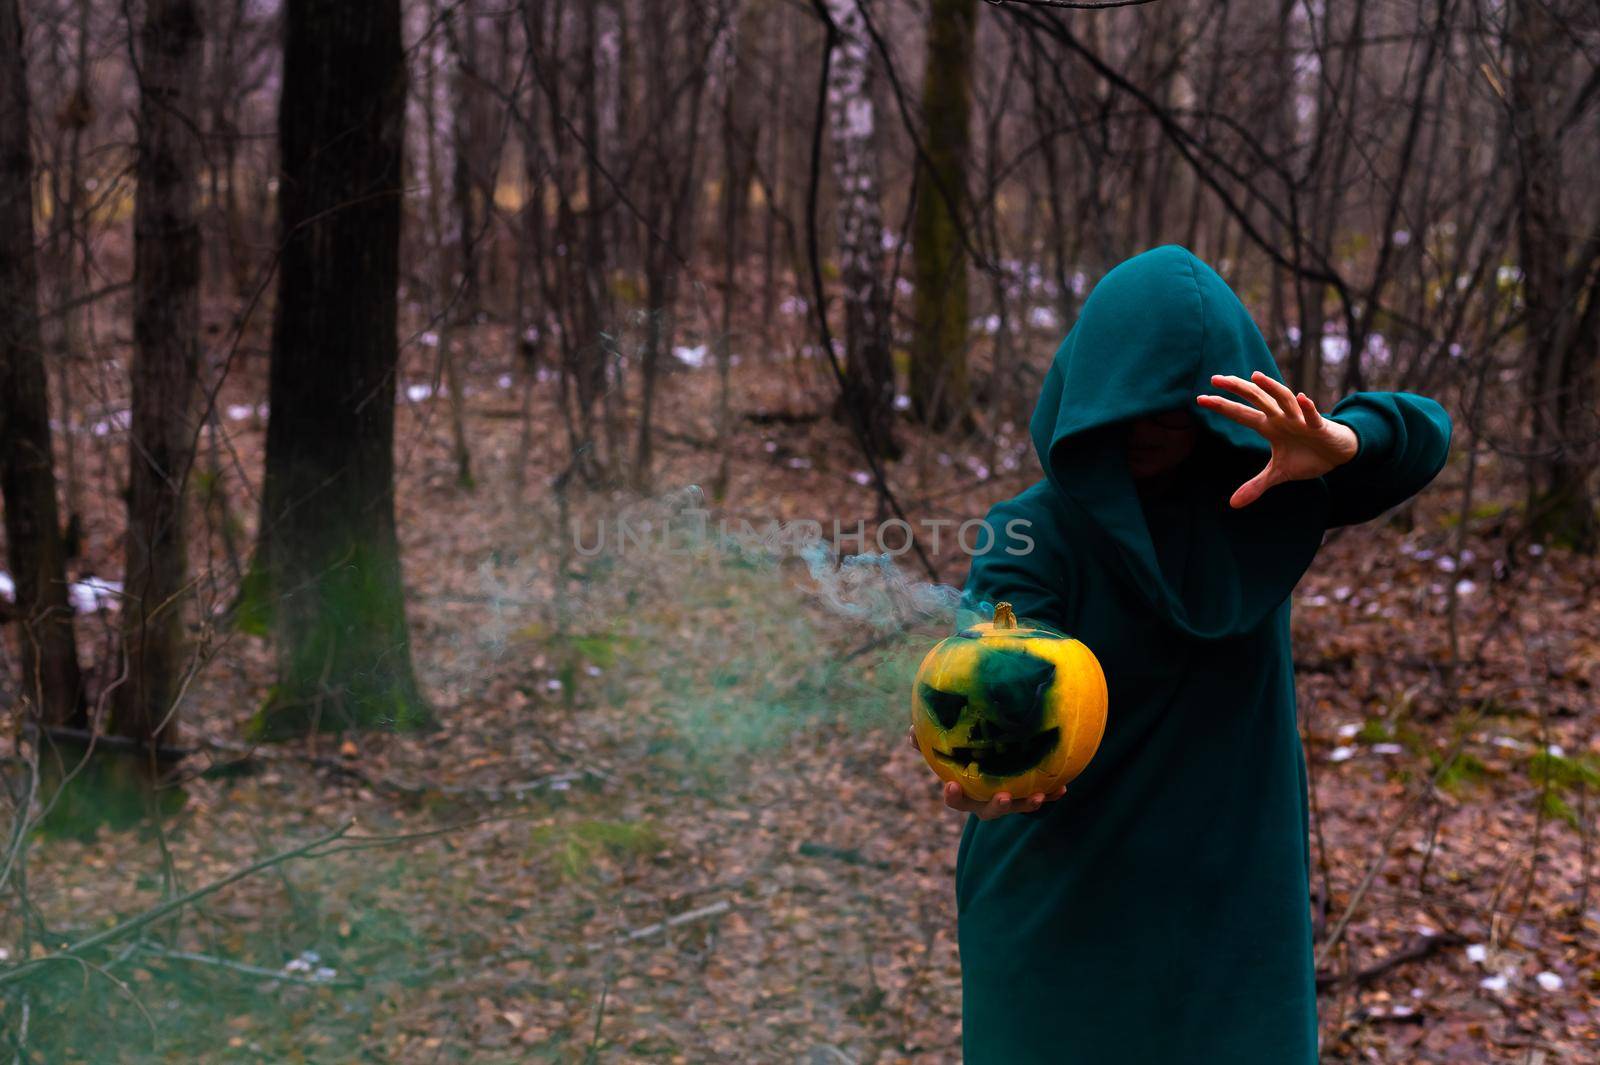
[1158, 911]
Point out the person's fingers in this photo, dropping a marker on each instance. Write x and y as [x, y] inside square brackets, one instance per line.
[1280, 392]
[1251, 391]
[957, 799]
[1248, 417]
[911, 738]
[1309, 409]
[999, 804]
[1251, 490]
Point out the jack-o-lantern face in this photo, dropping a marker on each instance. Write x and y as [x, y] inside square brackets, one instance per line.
[1002, 708]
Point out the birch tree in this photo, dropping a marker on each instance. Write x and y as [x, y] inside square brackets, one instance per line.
[868, 393]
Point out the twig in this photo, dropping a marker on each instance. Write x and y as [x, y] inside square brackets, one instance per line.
[133, 924]
[1420, 948]
[657, 927]
[246, 969]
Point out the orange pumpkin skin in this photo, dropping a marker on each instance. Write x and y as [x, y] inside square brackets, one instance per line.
[998, 707]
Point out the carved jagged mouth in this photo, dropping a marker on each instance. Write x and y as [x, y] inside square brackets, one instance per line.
[1004, 759]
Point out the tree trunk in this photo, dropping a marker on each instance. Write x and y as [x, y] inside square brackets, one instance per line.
[166, 330]
[741, 129]
[50, 680]
[328, 546]
[868, 394]
[939, 344]
[1562, 333]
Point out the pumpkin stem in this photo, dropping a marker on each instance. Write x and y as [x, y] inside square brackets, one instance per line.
[1003, 616]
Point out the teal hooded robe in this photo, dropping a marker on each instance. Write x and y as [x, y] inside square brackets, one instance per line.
[1159, 912]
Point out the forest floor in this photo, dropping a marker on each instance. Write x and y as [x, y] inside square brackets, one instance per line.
[670, 815]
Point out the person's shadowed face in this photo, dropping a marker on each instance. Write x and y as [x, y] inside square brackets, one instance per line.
[1158, 442]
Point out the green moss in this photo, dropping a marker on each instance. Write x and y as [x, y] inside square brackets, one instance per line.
[574, 848]
[1563, 772]
[1558, 809]
[1375, 731]
[1459, 773]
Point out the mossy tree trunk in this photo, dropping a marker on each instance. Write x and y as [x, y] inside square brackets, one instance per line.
[166, 331]
[939, 344]
[51, 682]
[328, 559]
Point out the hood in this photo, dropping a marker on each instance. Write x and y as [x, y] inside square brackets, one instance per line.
[1149, 338]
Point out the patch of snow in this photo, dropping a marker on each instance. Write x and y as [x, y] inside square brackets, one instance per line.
[429, 339]
[1477, 952]
[1549, 981]
[116, 423]
[1465, 587]
[1348, 729]
[1493, 983]
[503, 381]
[1315, 600]
[1555, 750]
[1341, 754]
[1044, 318]
[1446, 563]
[238, 412]
[8, 587]
[1401, 238]
[861, 476]
[93, 593]
[694, 357]
[1387, 748]
[799, 462]
[418, 393]
[902, 402]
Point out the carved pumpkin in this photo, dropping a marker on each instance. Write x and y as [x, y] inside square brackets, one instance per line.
[998, 707]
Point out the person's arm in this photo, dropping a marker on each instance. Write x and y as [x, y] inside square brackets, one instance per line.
[1373, 451]
[1403, 440]
[1012, 570]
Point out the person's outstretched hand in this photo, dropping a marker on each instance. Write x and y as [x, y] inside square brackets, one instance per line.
[1304, 443]
[999, 806]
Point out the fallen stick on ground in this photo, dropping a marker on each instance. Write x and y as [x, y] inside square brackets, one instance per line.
[656, 928]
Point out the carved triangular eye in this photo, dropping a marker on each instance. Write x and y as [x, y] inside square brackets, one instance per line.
[944, 707]
[1015, 684]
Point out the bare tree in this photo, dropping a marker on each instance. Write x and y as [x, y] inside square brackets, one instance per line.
[165, 370]
[1560, 282]
[50, 678]
[868, 392]
[328, 549]
[939, 346]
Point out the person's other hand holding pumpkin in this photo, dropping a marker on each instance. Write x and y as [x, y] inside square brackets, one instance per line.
[999, 806]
